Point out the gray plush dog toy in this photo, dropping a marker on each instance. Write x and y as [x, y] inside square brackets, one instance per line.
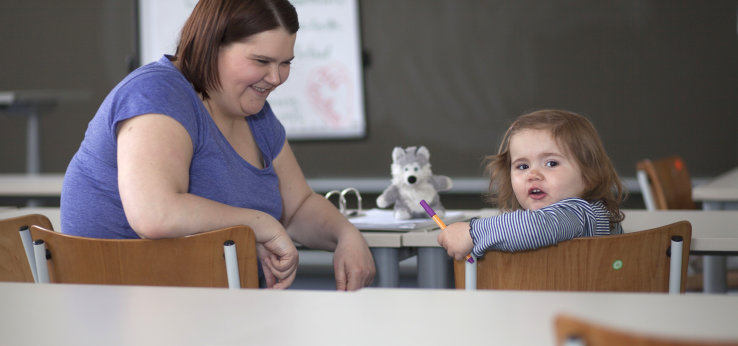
[413, 181]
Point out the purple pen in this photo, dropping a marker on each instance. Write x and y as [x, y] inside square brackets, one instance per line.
[440, 223]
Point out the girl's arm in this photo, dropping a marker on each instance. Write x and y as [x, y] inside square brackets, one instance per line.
[313, 221]
[526, 229]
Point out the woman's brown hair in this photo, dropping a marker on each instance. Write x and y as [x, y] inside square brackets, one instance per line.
[578, 137]
[216, 23]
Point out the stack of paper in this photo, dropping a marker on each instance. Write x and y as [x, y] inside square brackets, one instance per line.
[384, 220]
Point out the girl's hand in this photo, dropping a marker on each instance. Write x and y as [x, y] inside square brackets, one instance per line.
[457, 240]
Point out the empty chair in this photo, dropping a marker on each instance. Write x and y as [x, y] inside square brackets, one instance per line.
[197, 260]
[14, 262]
[665, 183]
[572, 331]
[633, 262]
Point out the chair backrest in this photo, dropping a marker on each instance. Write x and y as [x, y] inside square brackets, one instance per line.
[577, 331]
[668, 183]
[193, 261]
[13, 260]
[630, 262]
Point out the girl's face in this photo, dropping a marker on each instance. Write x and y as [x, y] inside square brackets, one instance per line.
[542, 173]
[250, 69]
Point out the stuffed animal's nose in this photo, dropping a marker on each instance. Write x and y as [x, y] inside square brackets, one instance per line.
[412, 179]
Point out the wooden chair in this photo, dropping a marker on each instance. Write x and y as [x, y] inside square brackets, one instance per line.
[665, 183]
[198, 260]
[632, 262]
[14, 260]
[572, 331]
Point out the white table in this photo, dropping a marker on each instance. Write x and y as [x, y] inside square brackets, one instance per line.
[720, 193]
[63, 314]
[711, 230]
[712, 233]
[50, 212]
[31, 185]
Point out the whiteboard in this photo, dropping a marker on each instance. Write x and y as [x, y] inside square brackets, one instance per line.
[323, 97]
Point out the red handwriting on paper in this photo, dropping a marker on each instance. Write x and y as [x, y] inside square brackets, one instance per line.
[329, 90]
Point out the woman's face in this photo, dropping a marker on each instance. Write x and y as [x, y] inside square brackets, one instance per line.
[250, 69]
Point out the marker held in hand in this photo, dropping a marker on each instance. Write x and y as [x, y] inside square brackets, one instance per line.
[440, 223]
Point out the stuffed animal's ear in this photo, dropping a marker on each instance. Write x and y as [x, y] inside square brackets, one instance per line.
[423, 151]
[397, 154]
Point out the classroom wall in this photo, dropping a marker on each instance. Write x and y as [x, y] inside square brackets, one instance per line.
[656, 78]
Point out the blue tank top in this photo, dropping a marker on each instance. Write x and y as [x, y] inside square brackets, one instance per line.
[90, 201]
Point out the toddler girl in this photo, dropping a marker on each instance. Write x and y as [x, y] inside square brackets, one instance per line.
[552, 181]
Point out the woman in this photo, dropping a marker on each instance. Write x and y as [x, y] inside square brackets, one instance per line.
[189, 144]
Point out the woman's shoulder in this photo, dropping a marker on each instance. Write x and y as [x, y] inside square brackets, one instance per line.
[157, 74]
[159, 88]
[157, 85]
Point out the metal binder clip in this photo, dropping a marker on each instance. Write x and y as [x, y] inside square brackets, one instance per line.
[337, 193]
[342, 201]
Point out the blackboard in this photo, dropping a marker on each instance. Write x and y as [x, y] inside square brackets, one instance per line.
[323, 97]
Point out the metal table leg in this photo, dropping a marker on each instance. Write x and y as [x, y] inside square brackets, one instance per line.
[434, 268]
[386, 260]
[714, 271]
[714, 276]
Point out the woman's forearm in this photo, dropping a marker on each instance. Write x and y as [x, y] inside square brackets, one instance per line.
[183, 214]
[318, 224]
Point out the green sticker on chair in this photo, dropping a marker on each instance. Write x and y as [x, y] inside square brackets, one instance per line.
[617, 264]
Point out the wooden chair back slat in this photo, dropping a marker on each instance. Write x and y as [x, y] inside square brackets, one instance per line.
[192, 261]
[631, 262]
[571, 330]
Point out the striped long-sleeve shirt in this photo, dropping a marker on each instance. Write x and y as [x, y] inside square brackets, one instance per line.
[530, 229]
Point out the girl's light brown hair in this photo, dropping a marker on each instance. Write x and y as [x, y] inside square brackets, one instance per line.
[577, 136]
[216, 23]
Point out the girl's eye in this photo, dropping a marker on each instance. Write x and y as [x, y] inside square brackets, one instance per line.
[552, 164]
[263, 62]
[522, 166]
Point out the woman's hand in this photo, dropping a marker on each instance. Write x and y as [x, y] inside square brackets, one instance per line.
[353, 263]
[457, 240]
[278, 256]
